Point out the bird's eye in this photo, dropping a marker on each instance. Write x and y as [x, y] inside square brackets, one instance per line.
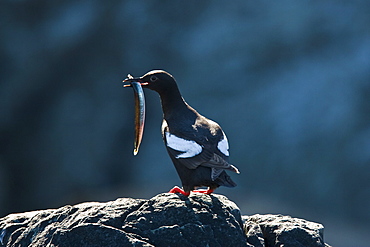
[153, 78]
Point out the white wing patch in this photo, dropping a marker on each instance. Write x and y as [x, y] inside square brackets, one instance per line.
[223, 146]
[188, 147]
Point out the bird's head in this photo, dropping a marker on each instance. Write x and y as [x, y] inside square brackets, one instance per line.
[157, 80]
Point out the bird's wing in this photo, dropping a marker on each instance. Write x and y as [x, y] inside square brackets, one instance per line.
[192, 154]
[188, 152]
[209, 149]
[218, 162]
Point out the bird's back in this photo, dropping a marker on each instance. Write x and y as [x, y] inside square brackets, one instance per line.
[193, 144]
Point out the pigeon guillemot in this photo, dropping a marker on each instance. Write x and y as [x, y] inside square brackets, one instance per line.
[196, 145]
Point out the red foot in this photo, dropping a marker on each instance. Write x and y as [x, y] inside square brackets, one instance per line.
[179, 190]
[207, 192]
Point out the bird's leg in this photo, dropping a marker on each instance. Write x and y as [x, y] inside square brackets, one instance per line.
[207, 192]
[179, 190]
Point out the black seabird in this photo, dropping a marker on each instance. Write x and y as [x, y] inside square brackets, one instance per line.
[196, 145]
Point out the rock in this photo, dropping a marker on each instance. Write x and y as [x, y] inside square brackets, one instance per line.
[164, 220]
[279, 230]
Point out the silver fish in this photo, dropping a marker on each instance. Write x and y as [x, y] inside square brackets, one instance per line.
[139, 111]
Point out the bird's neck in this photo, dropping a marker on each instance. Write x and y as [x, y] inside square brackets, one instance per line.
[173, 104]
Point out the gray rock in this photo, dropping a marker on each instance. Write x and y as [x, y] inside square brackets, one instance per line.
[164, 220]
[280, 230]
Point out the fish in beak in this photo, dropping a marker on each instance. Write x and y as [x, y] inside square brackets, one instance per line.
[139, 109]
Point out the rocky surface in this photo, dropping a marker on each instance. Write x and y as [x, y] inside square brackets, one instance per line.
[280, 230]
[164, 220]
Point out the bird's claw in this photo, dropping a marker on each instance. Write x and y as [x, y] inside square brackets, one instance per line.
[176, 189]
[207, 192]
[179, 190]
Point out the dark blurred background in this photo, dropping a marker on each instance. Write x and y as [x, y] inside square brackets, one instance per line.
[289, 82]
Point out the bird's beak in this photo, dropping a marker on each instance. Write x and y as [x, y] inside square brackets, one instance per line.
[130, 79]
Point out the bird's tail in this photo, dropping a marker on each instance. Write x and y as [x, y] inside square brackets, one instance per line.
[225, 180]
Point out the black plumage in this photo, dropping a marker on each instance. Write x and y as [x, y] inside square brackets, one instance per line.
[196, 145]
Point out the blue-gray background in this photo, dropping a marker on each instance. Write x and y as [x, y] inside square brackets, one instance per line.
[289, 82]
